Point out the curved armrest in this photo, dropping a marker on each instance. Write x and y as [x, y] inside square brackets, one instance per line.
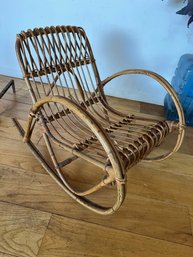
[92, 123]
[117, 167]
[171, 92]
[156, 77]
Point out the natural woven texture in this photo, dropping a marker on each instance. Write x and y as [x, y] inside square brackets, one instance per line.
[69, 103]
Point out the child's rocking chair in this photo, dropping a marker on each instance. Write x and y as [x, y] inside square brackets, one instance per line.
[70, 105]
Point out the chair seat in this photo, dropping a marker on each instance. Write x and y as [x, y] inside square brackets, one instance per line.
[133, 137]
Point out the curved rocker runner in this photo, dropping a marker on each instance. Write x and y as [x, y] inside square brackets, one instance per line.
[70, 105]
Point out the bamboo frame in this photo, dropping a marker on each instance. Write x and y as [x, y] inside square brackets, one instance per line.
[69, 103]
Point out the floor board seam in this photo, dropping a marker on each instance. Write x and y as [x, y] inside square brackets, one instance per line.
[95, 224]
[191, 225]
[44, 234]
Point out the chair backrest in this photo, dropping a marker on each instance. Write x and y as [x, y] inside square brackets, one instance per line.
[58, 61]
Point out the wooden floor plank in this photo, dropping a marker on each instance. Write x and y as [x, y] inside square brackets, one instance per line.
[7, 255]
[191, 218]
[160, 184]
[14, 109]
[186, 147]
[20, 83]
[15, 153]
[21, 230]
[68, 237]
[158, 209]
[177, 164]
[9, 130]
[123, 104]
[153, 109]
[140, 215]
[21, 95]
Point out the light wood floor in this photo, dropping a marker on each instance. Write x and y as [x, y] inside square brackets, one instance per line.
[38, 219]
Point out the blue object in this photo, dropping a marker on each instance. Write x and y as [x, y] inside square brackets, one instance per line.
[182, 82]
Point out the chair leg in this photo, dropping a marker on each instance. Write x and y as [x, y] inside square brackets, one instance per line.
[10, 84]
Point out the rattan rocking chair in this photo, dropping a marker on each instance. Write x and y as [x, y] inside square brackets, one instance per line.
[70, 105]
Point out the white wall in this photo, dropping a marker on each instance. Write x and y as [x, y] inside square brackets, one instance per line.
[124, 34]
